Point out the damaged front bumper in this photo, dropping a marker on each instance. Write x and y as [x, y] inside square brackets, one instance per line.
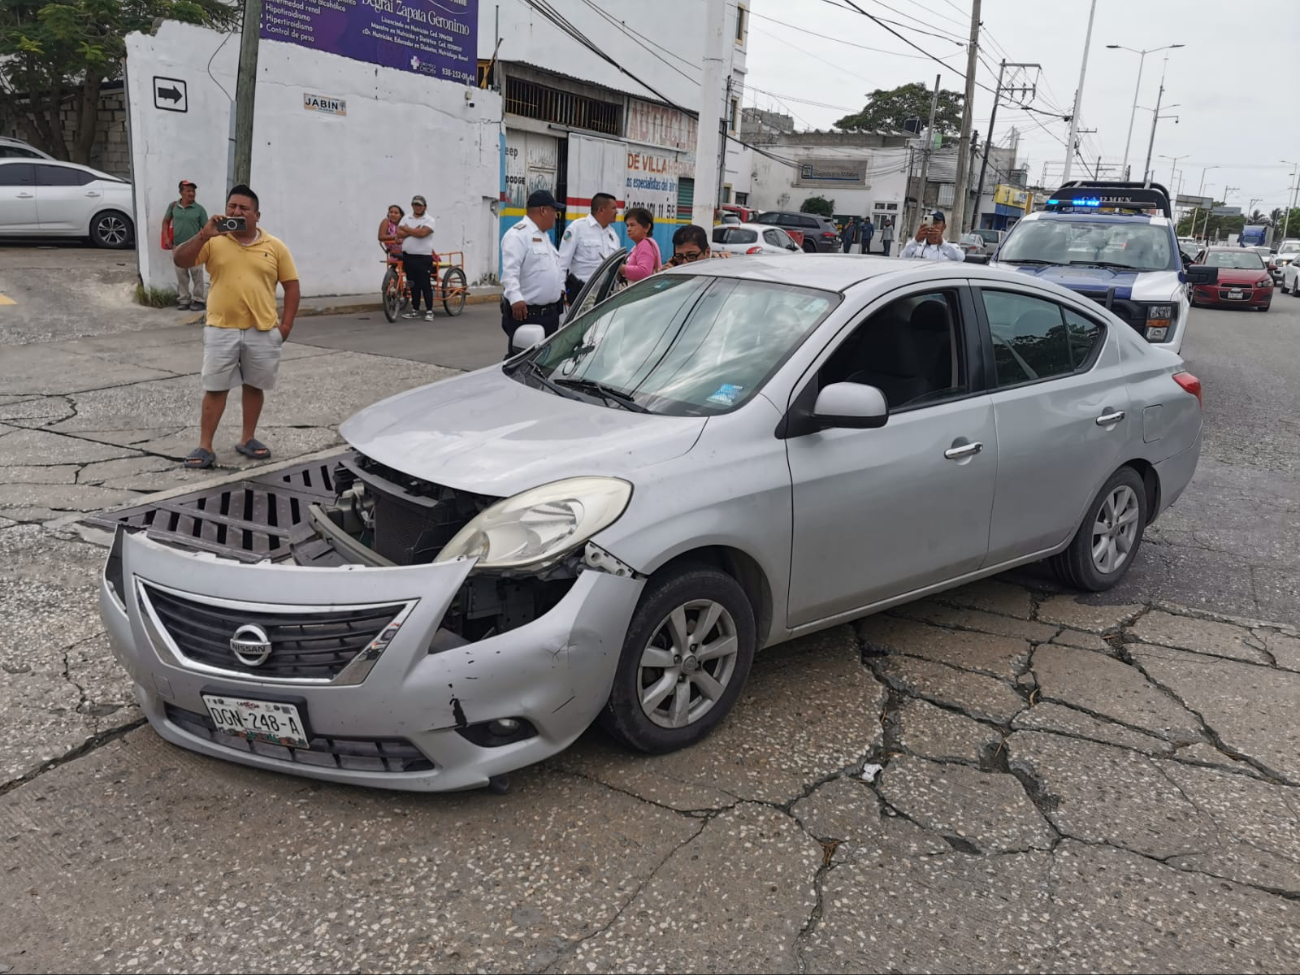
[391, 698]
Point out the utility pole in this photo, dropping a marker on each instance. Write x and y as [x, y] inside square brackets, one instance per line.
[1295, 191]
[246, 91]
[928, 148]
[967, 117]
[1155, 118]
[1078, 97]
[709, 138]
[1030, 91]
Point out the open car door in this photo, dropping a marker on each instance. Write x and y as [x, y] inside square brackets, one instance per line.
[598, 287]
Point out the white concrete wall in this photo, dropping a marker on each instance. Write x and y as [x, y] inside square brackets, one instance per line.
[773, 184]
[324, 181]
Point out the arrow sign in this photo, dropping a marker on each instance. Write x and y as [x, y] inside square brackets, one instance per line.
[170, 94]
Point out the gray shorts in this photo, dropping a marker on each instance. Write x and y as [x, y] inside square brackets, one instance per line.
[240, 357]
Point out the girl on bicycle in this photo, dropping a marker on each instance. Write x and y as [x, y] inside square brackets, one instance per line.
[388, 232]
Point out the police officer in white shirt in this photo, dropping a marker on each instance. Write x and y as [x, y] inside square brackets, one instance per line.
[532, 284]
[929, 244]
[587, 243]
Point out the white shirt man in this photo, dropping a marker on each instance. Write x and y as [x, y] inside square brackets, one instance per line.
[532, 285]
[929, 244]
[588, 242]
[413, 244]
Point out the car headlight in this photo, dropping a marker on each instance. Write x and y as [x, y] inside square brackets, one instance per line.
[1264, 282]
[541, 525]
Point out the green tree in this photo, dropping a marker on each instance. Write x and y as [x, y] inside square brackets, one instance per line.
[888, 109]
[818, 204]
[60, 52]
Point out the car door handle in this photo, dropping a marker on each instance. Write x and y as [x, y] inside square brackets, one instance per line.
[93, 193]
[965, 450]
[1108, 418]
[25, 196]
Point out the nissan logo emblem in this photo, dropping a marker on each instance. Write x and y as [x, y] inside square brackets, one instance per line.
[250, 645]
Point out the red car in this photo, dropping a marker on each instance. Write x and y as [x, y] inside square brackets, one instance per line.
[1244, 280]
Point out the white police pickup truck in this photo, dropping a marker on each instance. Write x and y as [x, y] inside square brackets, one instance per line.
[1115, 243]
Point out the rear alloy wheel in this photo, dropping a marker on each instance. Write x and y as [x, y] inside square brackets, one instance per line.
[685, 658]
[1108, 540]
[112, 229]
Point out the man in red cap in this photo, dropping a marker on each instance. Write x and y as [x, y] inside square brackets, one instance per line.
[184, 219]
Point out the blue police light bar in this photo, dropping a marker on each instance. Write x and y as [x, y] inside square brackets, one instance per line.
[1092, 195]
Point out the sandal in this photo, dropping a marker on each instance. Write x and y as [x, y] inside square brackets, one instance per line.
[200, 459]
[254, 448]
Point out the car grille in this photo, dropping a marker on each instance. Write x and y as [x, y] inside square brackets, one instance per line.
[1246, 294]
[350, 754]
[315, 645]
[1132, 312]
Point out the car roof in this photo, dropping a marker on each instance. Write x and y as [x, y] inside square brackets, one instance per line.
[59, 162]
[840, 272]
[747, 226]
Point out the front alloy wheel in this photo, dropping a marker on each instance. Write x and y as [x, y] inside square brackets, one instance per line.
[685, 657]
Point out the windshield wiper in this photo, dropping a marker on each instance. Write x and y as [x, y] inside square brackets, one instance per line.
[1122, 267]
[533, 369]
[600, 389]
[1029, 260]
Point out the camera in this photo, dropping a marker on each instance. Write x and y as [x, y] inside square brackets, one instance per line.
[232, 225]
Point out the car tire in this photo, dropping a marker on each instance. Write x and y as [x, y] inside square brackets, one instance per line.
[112, 229]
[809, 248]
[656, 688]
[1082, 566]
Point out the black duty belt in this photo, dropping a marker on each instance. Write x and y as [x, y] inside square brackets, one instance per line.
[554, 306]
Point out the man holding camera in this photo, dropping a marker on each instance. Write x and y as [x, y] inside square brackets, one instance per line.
[929, 244]
[243, 336]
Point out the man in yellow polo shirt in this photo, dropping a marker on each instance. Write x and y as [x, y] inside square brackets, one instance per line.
[242, 340]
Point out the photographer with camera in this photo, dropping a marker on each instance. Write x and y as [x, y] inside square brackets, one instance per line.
[243, 336]
[929, 245]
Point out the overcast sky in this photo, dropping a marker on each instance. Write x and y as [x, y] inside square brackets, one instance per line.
[1235, 85]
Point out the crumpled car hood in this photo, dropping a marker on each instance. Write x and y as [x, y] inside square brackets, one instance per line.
[488, 434]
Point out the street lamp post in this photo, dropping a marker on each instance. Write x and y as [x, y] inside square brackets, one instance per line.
[1173, 166]
[1137, 89]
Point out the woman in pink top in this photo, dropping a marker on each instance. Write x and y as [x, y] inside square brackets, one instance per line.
[644, 259]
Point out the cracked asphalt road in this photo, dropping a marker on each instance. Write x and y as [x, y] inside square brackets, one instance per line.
[1053, 784]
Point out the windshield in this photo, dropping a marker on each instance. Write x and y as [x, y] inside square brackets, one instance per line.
[1139, 246]
[680, 345]
[989, 236]
[1237, 260]
[1290, 247]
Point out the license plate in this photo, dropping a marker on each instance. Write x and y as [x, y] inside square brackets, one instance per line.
[1235, 293]
[268, 721]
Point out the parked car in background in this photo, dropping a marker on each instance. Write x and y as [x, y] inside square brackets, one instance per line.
[733, 213]
[1291, 276]
[500, 569]
[46, 198]
[971, 243]
[1287, 253]
[991, 238]
[18, 149]
[753, 238]
[819, 233]
[1244, 281]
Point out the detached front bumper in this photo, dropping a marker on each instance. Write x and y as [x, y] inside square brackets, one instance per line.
[410, 711]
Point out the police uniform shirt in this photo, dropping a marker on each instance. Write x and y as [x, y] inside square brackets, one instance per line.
[926, 251]
[585, 246]
[530, 266]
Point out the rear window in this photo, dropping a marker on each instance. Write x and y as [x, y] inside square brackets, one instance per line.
[734, 235]
[990, 236]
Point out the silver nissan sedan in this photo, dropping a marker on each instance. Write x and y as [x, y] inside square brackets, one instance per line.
[609, 525]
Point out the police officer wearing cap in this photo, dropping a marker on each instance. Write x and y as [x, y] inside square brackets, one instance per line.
[532, 284]
[587, 243]
[929, 245]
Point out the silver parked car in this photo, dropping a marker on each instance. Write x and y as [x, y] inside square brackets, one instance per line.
[608, 526]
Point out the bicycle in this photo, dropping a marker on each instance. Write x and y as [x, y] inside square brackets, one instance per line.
[452, 288]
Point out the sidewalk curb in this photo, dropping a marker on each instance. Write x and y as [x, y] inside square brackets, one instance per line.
[356, 308]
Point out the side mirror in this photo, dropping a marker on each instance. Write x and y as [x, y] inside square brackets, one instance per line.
[852, 406]
[526, 336]
[1201, 274]
[974, 257]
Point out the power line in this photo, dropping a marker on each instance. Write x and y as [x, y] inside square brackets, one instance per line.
[828, 37]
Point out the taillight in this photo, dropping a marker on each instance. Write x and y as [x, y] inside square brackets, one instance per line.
[754, 250]
[1190, 384]
[827, 234]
